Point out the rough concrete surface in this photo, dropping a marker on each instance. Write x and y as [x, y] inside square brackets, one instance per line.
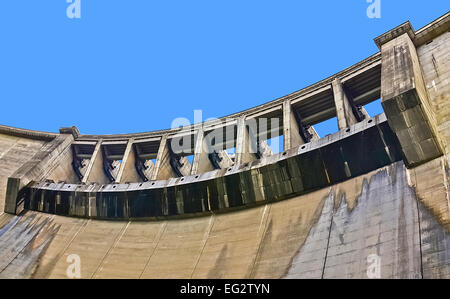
[325, 234]
[375, 193]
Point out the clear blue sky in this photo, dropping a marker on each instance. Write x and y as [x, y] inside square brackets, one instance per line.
[135, 65]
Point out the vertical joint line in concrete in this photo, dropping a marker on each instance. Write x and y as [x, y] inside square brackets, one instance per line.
[418, 222]
[264, 217]
[158, 238]
[420, 233]
[82, 228]
[205, 240]
[116, 241]
[329, 236]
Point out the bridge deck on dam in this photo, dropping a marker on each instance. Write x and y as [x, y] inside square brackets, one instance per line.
[134, 205]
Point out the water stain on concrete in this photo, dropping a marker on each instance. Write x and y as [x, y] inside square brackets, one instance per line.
[23, 241]
[382, 220]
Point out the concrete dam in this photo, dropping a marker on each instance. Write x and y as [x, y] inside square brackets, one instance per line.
[369, 201]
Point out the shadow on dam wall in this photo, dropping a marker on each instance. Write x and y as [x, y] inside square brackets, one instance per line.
[325, 234]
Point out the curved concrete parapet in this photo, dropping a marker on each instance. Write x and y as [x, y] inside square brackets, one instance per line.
[291, 173]
[25, 133]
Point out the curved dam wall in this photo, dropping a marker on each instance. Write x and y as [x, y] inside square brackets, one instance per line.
[374, 193]
[392, 212]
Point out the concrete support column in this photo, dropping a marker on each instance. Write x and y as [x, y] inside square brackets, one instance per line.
[204, 163]
[291, 133]
[344, 113]
[199, 153]
[291, 128]
[94, 172]
[405, 99]
[127, 171]
[159, 157]
[243, 154]
[164, 169]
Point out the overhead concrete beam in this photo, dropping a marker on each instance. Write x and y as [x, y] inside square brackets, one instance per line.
[318, 117]
[369, 94]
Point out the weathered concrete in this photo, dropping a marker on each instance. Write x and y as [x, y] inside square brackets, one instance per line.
[199, 154]
[344, 113]
[405, 99]
[435, 63]
[38, 168]
[127, 171]
[321, 209]
[327, 233]
[159, 158]
[14, 152]
[291, 133]
[285, 175]
[345, 116]
[244, 153]
[94, 172]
